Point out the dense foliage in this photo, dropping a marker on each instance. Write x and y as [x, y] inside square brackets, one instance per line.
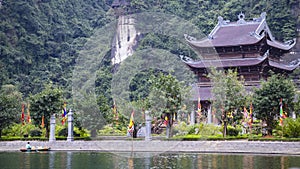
[45, 104]
[291, 128]
[40, 40]
[10, 106]
[230, 96]
[266, 100]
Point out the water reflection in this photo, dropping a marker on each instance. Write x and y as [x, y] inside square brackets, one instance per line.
[74, 160]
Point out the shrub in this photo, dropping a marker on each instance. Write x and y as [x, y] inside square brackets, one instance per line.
[291, 128]
[232, 131]
[64, 132]
[109, 130]
[198, 129]
[18, 130]
[181, 129]
[35, 133]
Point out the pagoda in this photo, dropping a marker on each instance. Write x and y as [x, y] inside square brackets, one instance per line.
[245, 46]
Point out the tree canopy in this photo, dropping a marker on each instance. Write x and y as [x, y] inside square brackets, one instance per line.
[10, 107]
[229, 96]
[166, 97]
[266, 99]
[44, 104]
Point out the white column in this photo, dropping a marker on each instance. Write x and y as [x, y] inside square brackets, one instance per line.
[192, 118]
[148, 126]
[70, 126]
[209, 115]
[52, 128]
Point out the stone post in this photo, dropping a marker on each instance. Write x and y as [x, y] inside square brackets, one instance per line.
[209, 115]
[148, 126]
[52, 128]
[192, 122]
[70, 126]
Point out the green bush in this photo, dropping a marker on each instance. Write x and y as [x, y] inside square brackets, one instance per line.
[291, 128]
[19, 130]
[109, 130]
[198, 129]
[232, 131]
[181, 129]
[64, 132]
[35, 133]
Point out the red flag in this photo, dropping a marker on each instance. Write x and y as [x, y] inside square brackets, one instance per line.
[23, 115]
[199, 106]
[250, 115]
[28, 114]
[43, 123]
[282, 114]
[64, 113]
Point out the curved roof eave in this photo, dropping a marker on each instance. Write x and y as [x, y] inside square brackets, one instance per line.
[226, 62]
[204, 43]
[281, 46]
[288, 67]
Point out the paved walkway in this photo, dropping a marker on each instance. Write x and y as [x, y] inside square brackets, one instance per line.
[241, 146]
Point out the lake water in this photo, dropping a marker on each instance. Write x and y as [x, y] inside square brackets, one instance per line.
[91, 160]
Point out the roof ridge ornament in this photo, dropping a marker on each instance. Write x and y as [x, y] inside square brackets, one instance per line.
[241, 18]
[263, 15]
[221, 21]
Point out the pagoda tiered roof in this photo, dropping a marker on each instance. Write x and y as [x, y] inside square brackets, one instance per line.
[240, 62]
[240, 33]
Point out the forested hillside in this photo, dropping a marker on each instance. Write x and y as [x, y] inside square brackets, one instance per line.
[40, 39]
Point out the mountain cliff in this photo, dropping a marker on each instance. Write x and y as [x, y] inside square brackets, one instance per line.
[40, 39]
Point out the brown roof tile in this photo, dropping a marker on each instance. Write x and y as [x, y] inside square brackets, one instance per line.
[226, 62]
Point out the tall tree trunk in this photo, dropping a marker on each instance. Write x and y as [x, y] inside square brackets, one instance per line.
[93, 133]
[269, 127]
[0, 133]
[47, 131]
[225, 129]
[169, 126]
[134, 132]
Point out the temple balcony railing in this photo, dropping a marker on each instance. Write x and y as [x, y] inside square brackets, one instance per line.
[247, 83]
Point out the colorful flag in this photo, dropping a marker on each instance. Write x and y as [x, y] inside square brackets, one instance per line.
[28, 113]
[64, 113]
[282, 114]
[166, 120]
[131, 122]
[250, 115]
[23, 115]
[245, 114]
[43, 122]
[115, 112]
[229, 115]
[199, 107]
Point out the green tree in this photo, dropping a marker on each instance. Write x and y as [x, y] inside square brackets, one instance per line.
[10, 106]
[46, 103]
[229, 96]
[266, 99]
[297, 104]
[166, 97]
[90, 114]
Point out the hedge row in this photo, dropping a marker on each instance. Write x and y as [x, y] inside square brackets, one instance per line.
[41, 138]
